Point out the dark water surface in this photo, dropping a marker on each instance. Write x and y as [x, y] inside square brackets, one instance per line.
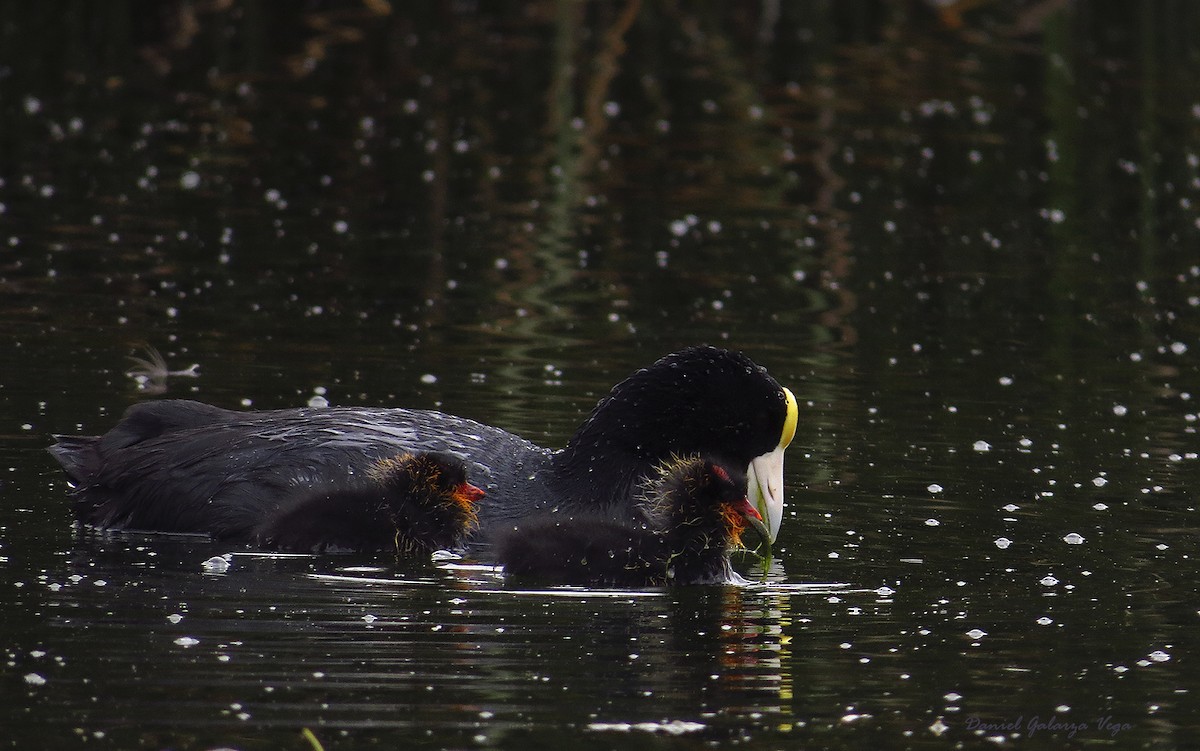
[968, 240]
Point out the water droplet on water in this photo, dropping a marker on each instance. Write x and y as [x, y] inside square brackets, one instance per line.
[218, 564]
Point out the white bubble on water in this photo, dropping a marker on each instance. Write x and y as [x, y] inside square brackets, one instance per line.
[982, 446]
[218, 564]
[1073, 538]
[1002, 542]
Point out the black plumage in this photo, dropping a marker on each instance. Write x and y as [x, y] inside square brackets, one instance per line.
[183, 466]
[694, 513]
[411, 503]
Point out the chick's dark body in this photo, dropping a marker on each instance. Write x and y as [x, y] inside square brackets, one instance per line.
[687, 526]
[585, 551]
[409, 503]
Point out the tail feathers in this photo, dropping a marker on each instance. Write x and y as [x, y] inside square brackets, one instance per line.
[81, 456]
[78, 456]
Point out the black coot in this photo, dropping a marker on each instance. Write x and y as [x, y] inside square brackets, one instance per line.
[183, 466]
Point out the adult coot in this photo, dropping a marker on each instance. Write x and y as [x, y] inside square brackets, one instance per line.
[410, 503]
[182, 466]
[695, 513]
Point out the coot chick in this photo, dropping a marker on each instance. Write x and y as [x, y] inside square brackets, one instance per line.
[410, 503]
[694, 513]
[183, 466]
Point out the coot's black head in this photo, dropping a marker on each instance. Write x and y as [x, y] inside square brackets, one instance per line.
[428, 498]
[702, 400]
[701, 503]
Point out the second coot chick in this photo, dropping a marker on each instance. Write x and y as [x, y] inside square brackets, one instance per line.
[409, 503]
[694, 513]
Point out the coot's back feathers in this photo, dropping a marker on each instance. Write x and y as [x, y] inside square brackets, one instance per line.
[225, 471]
[409, 503]
[182, 466]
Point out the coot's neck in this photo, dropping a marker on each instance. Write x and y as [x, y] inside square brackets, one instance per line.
[587, 474]
[629, 431]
